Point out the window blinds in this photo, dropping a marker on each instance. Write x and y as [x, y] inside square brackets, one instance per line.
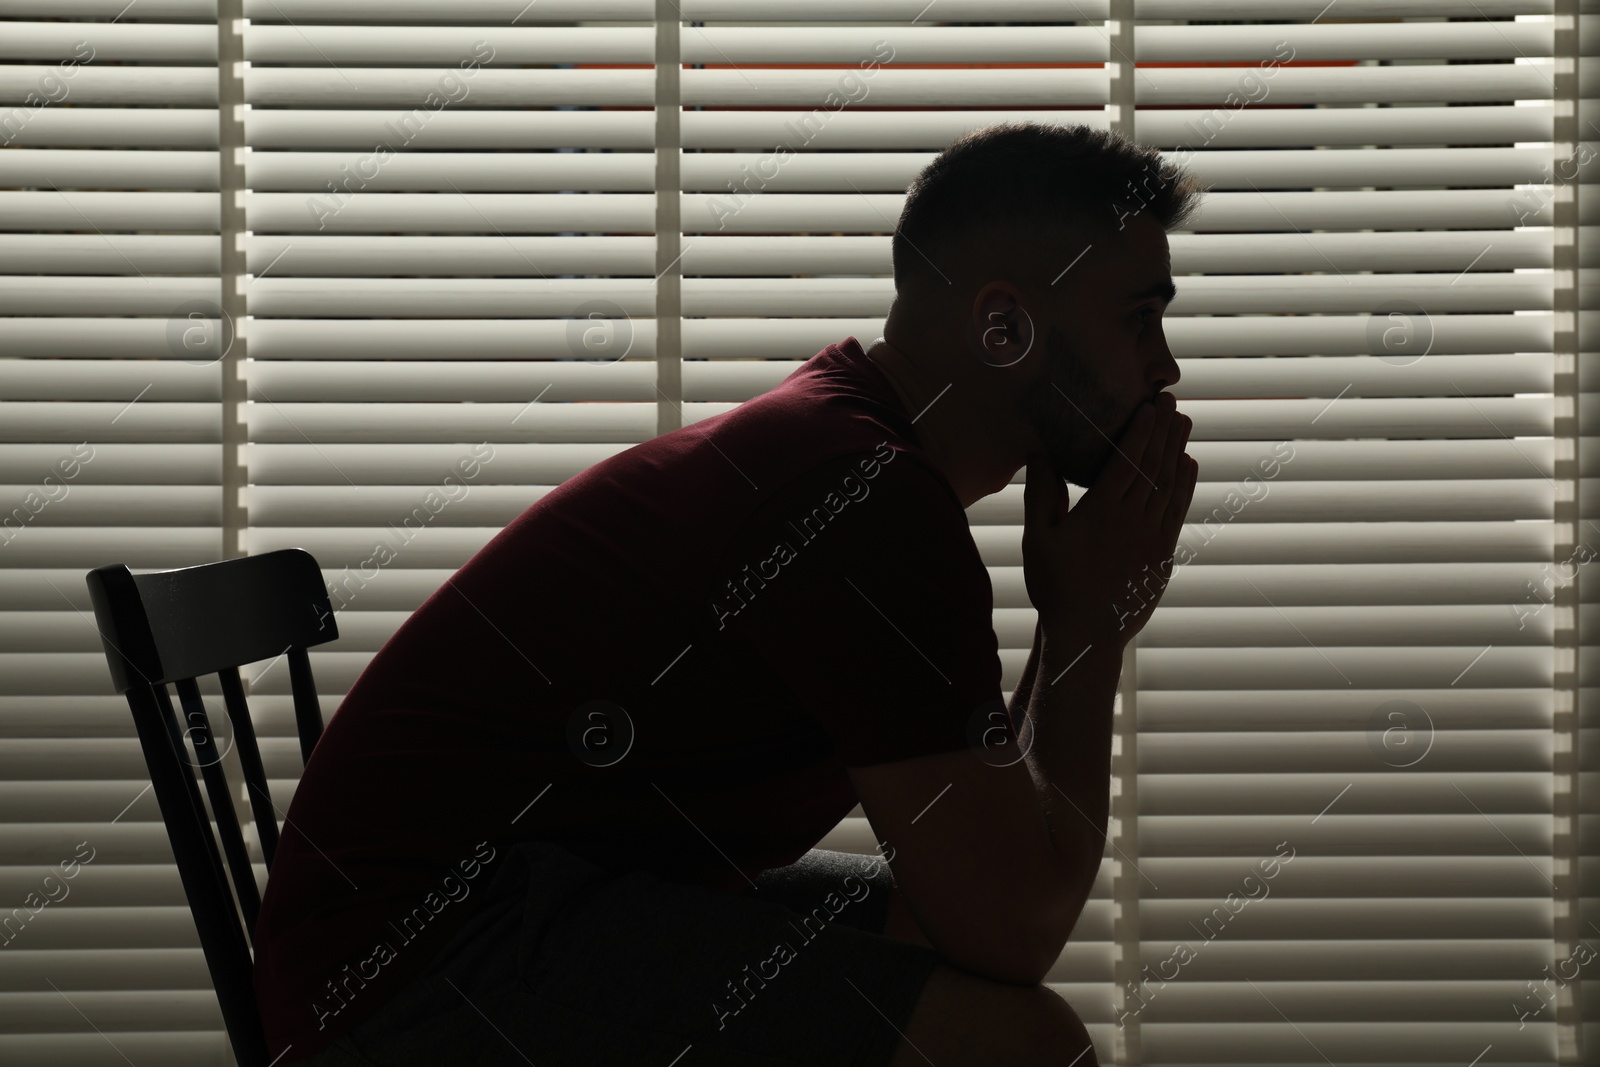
[1346, 784]
[109, 442]
[1349, 709]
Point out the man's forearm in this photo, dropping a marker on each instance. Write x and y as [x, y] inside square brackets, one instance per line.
[1023, 693]
[1067, 741]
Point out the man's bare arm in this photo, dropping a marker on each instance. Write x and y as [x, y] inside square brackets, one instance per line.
[1077, 563]
[1067, 741]
[1024, 690]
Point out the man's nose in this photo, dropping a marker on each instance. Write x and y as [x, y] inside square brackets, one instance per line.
[1167, 371]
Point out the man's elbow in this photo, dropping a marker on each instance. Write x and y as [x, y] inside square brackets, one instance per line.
[1068, 905]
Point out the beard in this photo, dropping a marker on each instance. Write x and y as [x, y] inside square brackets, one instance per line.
[1077, 429]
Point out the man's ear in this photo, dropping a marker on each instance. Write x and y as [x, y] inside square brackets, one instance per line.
[1000, 332]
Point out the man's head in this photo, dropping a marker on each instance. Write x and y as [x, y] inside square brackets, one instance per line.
[1031, 270]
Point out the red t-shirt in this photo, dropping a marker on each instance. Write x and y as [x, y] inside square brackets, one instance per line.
[755, 601]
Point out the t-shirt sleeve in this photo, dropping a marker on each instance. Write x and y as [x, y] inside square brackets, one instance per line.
[860, 586]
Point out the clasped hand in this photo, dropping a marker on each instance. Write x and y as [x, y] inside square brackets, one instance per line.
[1098, 570]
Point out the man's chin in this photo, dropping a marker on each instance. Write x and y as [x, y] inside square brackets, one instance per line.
[1084, 473]
[1074, 472]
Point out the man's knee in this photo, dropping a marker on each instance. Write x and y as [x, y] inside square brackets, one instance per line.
[970, 1021]
[1062, 1032]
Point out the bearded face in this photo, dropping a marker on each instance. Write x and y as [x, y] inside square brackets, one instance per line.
[1074, 413]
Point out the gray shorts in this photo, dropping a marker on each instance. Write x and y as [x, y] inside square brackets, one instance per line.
[565, 965]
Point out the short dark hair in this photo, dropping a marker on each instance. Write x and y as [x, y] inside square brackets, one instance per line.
[1028, 177]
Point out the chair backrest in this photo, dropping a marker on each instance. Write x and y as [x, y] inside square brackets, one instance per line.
[177, 626]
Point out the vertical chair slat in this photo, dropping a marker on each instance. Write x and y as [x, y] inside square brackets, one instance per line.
[169, 722]
[307, 711]
[255, 776]
[209, 756]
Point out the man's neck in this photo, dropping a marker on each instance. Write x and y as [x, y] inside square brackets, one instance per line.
[948, 423]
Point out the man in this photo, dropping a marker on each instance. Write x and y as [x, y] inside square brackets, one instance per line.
[568, 813]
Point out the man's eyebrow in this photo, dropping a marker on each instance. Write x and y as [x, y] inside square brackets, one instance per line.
[1164, 289]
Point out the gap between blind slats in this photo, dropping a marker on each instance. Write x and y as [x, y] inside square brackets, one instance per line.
[929, 130]
[632, 172]
[743, 257]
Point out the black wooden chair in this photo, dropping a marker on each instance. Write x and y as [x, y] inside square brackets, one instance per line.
[175, 626]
